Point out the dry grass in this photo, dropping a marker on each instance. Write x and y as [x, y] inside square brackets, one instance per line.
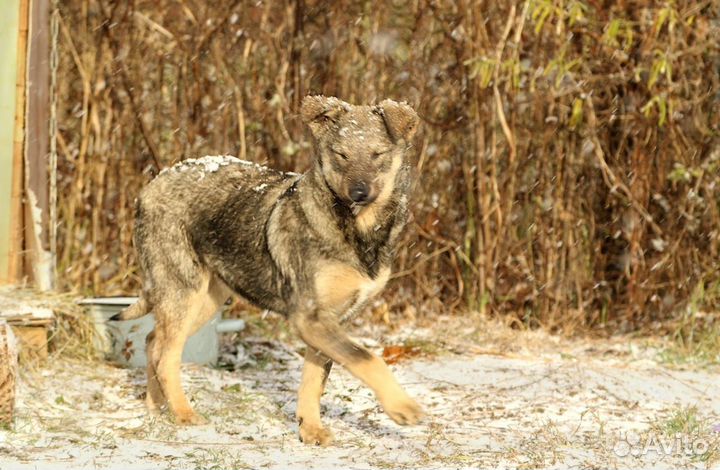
[689, 423]
[71, 332]
[569, 160]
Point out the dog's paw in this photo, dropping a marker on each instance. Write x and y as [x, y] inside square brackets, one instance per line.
[403, 410]
[315, 434]
[189, 419]
[153, 408]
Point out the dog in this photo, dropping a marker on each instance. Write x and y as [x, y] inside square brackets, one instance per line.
[314, 247]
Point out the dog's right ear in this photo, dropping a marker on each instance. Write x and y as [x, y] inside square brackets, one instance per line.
[319, 111]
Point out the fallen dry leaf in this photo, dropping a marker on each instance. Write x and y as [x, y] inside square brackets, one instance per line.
[396, 353]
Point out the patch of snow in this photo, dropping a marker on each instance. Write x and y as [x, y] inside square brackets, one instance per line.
[210, 164]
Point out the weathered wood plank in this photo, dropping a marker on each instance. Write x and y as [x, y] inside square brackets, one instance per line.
[37, 110]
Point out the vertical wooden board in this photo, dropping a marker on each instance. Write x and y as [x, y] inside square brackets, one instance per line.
[18, 247]
[38, 104]
[17, 219]
[9, 25]
[38, 259]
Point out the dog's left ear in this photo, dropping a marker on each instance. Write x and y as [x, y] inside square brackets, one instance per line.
[400, 119]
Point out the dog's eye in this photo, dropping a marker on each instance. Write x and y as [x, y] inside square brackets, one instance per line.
[379, 154]
[341, 155]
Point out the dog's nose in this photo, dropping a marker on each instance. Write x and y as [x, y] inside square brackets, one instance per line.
[359, 192]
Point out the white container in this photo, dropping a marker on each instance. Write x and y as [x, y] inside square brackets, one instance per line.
[124, 341]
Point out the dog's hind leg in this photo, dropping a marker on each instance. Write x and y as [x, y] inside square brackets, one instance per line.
[321, 330]
[314, 375]
[155, 398]
[171, 332]
[176, 321]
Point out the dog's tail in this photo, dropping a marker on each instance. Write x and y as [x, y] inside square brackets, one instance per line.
[136, 310]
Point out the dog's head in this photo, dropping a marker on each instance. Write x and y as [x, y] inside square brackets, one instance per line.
[359, 148]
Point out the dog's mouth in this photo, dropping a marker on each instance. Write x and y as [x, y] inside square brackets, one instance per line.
[356, 207]
[352, 206]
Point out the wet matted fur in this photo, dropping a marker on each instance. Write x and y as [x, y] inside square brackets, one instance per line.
[313, 247]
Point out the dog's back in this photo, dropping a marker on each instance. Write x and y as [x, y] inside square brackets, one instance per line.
[195, 215]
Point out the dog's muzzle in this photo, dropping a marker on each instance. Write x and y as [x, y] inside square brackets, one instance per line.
[360, 193]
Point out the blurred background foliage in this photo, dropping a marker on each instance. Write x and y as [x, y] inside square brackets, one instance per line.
[568, 161]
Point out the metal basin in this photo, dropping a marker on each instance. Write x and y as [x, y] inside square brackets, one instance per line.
[124, 341]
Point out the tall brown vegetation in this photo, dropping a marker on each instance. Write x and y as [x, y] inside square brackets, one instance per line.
[568, 161]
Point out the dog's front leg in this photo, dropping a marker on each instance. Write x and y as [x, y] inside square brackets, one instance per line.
[321, 331]
[315, 373]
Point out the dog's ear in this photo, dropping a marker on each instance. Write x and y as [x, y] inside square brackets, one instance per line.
[318, 111]
[400, 119]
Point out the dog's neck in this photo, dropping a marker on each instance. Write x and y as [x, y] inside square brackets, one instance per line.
[371, 246]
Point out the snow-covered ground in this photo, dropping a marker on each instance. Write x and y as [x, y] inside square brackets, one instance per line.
[552, 404]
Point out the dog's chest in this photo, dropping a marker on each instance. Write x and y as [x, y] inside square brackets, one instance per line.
[343, 289]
